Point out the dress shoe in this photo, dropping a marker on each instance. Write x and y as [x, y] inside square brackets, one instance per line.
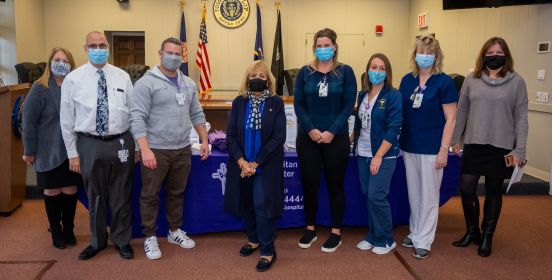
[89, 252]
[125, 251]
[69, 238]
[247, 250]
[264, 264]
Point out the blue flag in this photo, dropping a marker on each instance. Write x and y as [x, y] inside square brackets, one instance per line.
[258, 53]
[184, 66]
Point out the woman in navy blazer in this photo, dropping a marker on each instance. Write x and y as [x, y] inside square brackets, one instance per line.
[377, 126]
[256, 134]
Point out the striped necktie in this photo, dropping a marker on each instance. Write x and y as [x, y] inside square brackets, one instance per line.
[102, 108]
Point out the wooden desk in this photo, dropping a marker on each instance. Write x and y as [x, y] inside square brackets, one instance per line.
[217, 106]
[12, 168]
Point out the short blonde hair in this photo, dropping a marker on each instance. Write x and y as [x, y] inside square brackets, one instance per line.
[257, 65]
[430, 43]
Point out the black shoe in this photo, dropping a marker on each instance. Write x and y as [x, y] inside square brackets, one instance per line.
[57, 239]
[247, 250]
[125, 251]
[89, 252]
[309, 236]
[264, 264]
[332, 243]
[471, 215]
[69, 238]
[473, 235]
[485, 249]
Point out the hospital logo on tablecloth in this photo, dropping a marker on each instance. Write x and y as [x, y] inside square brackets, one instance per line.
[221, 175]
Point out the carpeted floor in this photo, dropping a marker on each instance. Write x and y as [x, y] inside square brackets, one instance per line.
[522, 250]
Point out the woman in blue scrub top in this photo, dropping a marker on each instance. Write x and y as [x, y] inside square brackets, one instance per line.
[377, 127]
[429, 113]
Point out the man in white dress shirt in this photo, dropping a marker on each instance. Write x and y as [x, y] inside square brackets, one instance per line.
[95, 123]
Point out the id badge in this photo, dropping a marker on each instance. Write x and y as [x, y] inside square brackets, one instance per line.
[122, 153]
[323, 90]
[417, 100]
[180, 98]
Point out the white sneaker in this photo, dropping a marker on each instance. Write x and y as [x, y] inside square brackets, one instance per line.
[384, 250]
[152, 248]
[180, 238]
[364, 245]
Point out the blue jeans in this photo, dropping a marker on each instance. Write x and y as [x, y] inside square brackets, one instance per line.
[259, 228]
[376, 189]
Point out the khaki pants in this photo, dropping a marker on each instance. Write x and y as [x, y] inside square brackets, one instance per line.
[173, 168]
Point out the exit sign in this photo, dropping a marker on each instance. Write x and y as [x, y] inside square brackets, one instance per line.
[422, 20]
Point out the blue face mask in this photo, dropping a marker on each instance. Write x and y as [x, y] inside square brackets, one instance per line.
[376, 78]
[98, 56]
[425, 60]
[324, 54]
[60, 68]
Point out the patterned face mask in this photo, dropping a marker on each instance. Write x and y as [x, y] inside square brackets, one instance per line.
[60, 68]
[254, 118]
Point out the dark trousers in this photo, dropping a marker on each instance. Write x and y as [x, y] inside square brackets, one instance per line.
[108, 182]
[173, 167]
[333, 159]
[259, 228]
[376, 189]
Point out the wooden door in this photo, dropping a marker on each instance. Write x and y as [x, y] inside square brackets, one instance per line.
[128, 50]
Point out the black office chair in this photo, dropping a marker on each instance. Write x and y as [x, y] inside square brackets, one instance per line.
[289, 77]
[28, 72]
[135, 71]
[458, 81]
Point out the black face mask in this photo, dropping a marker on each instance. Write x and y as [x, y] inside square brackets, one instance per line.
[257, 85]
[494, 62]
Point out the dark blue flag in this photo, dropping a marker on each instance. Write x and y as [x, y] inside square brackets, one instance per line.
[258, 53]
[184, 66]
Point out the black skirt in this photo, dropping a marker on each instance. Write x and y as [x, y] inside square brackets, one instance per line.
[59, 177]
[485, 160]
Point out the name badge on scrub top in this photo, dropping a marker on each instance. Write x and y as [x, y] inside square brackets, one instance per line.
[180, 98]
[122, 153]
[417, 100]
[417, 97]
[323, 88]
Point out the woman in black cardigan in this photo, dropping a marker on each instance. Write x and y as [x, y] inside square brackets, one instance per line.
[256, 134]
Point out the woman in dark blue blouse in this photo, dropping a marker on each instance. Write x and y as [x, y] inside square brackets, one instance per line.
[429, 113]
[325, 93]
[256, 135]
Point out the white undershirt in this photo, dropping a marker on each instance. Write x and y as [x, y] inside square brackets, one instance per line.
[364, 147]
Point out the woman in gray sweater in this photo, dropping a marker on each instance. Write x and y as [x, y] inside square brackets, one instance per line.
[44, 147]
[492, 119]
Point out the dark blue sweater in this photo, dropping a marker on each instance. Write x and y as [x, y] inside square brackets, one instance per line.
[329, 113]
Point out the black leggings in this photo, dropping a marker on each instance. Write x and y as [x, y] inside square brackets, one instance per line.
[333, 158]
[493, 189]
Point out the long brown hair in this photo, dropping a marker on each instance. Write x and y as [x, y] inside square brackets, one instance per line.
[388, 71]
[43, 80]
[480, 64]
[330, 34]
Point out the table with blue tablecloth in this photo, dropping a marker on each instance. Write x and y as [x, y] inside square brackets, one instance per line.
[203, 198]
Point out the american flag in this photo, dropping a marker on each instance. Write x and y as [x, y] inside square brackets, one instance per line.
[202, 60]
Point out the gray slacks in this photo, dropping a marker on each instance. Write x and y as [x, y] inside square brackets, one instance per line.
[108, 183]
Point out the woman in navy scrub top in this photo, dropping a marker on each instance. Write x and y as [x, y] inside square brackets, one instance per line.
[429, 113]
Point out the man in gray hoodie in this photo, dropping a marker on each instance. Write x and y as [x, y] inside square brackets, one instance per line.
[164, 107]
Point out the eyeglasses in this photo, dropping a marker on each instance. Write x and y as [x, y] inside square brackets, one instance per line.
[95, 46]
